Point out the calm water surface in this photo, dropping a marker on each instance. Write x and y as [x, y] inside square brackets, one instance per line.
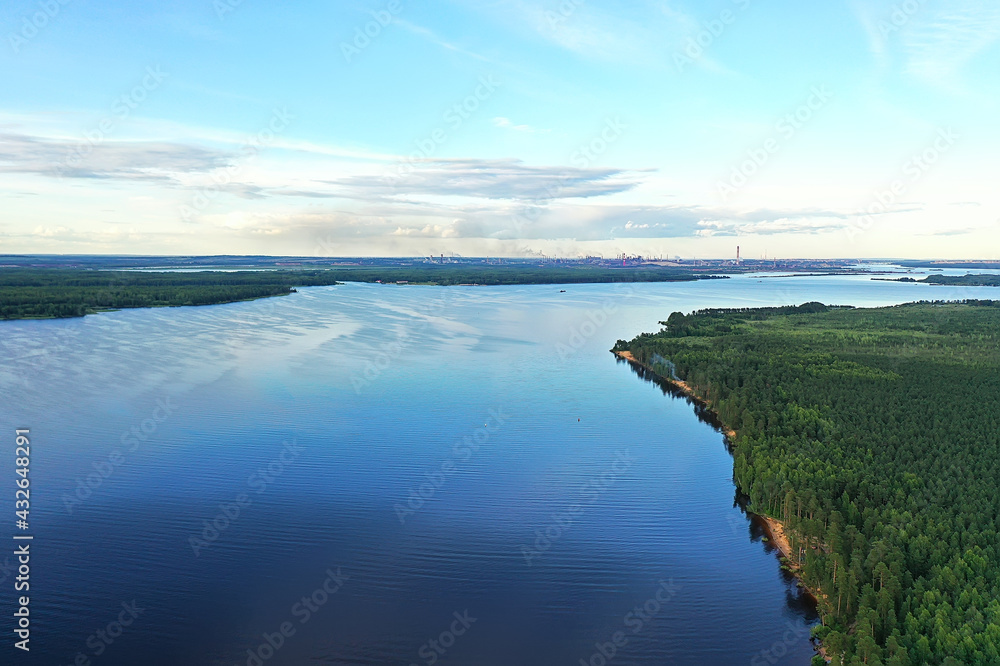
[444, 453]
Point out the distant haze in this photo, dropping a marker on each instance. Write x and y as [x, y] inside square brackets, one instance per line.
[506, 128]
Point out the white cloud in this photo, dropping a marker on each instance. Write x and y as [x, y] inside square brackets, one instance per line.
[640, 32]
[935, 41]
[433, 38]
[137, 160]
[482, 179]
[506, 123]
[946, 37]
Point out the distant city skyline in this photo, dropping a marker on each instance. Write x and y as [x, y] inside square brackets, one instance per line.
[863, 128]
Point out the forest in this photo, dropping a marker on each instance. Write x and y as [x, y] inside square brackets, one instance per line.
[33, 293]
[983, 280]
[874, 435]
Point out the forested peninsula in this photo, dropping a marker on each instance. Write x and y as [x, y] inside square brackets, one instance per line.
[873, 436]
[42, 293]
[981, 280]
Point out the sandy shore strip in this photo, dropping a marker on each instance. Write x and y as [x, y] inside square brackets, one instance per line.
[776, 535]
[774, 528]
[682, 385]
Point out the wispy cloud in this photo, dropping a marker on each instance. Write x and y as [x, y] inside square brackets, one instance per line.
[699, 221]
[494, 199]
[137, 160]
[767, 227]
[945, 37]
[507, 123]
[433, 38]
[953, 232]
[646, 32]
[505, 221]
[487, 179]
[932, 41]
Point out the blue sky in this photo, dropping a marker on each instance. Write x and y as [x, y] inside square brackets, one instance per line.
[845, 129]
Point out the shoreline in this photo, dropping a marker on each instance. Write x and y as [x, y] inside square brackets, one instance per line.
[97, 311]
[776, 535]
[774, 528]
[684, 388]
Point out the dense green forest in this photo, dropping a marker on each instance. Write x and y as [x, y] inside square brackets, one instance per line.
[33, 293]
[984, 280]
[941, 265]
[874, 434]
[66, 292]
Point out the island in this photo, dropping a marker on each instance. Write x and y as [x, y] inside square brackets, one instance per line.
[870, 441]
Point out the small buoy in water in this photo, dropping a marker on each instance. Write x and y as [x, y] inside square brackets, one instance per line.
[578, 419]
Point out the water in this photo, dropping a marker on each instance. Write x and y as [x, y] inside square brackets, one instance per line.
[383, 393]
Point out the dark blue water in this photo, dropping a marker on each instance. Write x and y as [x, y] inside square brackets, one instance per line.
[389, 475]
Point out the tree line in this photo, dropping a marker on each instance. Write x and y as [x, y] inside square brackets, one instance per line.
[45, 293]
[32, 292]
[874, 434]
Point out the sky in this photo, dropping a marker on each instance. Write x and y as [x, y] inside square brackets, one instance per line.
[849, 128]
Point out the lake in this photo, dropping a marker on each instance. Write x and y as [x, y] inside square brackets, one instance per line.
[369, 474]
